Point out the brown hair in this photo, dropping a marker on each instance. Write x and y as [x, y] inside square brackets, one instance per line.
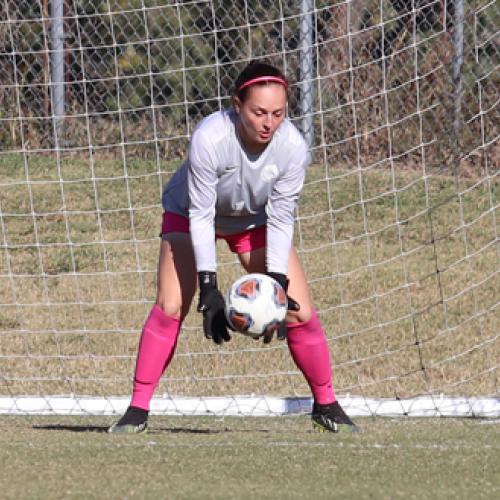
[257, 71]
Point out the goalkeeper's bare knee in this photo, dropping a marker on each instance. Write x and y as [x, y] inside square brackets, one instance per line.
[301, 316]
[171, 308]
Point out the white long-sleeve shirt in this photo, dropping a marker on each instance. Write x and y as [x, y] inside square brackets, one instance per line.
[224, 190]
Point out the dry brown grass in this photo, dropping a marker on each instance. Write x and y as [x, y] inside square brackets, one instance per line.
[408, 307]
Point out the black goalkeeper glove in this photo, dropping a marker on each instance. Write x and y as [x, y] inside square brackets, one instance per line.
[292, 306]
[211, 304]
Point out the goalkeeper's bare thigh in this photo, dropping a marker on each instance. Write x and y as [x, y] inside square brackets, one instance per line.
[176, 281]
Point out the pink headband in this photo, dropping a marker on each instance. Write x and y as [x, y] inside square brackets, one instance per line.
[275, 79]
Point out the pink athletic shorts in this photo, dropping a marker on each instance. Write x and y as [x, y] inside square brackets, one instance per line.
[244, 242]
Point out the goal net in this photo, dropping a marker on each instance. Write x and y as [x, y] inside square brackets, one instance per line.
[397, 226]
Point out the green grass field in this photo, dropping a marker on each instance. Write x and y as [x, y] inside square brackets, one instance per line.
[247, 458]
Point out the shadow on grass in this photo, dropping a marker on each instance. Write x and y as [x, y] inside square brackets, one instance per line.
[72, 428]
[151, 430]
[187, 430]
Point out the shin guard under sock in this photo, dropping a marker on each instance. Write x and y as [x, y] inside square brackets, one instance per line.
[309, 349]
[156, 348]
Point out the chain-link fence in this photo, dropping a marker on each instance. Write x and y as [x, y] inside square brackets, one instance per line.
[142, 72]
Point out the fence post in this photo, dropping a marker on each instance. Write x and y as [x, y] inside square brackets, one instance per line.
[458, 60]
[306, 69]
[57, 66]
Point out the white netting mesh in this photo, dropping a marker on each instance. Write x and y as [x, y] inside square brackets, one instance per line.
[397, 225]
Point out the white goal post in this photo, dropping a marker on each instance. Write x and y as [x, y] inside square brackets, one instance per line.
[397, 225]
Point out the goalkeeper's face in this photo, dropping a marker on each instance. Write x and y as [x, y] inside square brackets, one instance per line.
[260, 115]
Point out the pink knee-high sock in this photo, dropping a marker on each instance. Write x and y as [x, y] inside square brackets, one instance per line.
[156, 348]
[309, 349]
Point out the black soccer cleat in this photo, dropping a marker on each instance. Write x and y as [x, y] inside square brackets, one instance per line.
[332, 418]
[134, 421]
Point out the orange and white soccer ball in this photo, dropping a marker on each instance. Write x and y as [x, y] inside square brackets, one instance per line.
[255, 304]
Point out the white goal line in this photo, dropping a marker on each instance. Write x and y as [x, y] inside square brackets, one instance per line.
[255, 406]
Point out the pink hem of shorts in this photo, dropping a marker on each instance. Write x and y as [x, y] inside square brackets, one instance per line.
[244, 242]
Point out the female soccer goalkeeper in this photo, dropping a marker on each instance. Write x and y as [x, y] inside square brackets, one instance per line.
[241, 182]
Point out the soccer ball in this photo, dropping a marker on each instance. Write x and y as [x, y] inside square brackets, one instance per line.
[255, 303]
